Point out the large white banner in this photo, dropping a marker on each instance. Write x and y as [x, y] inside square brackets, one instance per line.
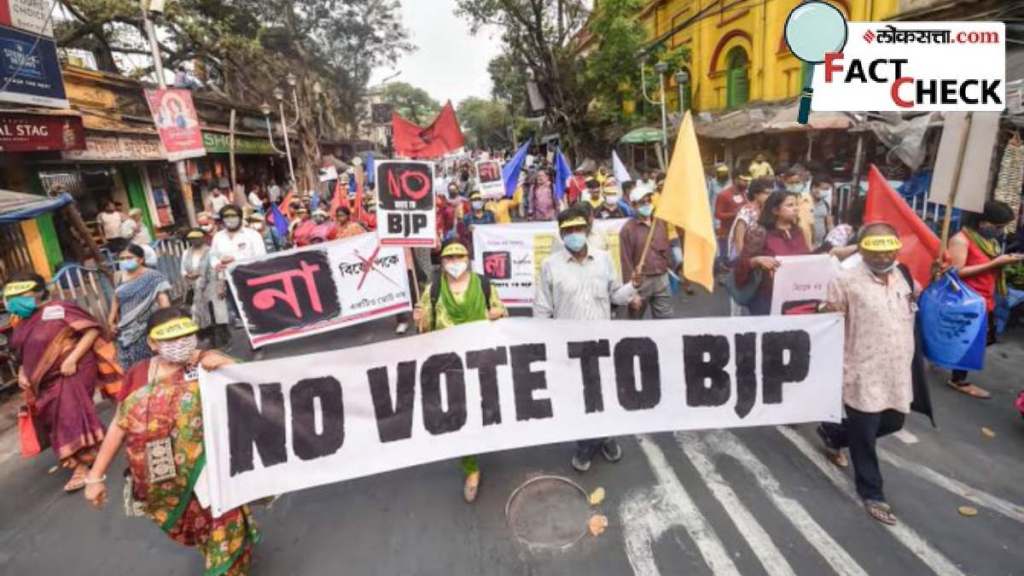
[282, 425]
[511, 254]
[296, 293]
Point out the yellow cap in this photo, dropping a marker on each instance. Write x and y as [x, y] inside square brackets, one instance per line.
[454, 249]
[887, 243]
[18, 288]
[173, 329]
[573, 223]
[194, 234]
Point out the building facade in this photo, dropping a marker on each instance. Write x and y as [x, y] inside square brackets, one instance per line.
[737, 52]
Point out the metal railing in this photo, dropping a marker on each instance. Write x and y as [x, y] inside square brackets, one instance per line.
[91, 289]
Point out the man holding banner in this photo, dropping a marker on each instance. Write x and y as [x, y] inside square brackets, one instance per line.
[459, 296]
[581, 284]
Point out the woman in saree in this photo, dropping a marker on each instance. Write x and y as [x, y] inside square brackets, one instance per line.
[209, 308]
[141, 291]
[160, 425]
[59, 372]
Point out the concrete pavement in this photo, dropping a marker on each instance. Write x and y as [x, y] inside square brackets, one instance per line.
[749, 501]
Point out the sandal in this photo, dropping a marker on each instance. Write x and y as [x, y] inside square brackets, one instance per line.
[471, 488]
[880, 512]
[76, 483]
[835, 455]
[970, 390]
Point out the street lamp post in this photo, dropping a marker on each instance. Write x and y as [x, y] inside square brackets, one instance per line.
[660, 68]
[265, 108]
[682, 78]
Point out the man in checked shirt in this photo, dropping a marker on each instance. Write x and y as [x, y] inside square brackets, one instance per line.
[580, 283]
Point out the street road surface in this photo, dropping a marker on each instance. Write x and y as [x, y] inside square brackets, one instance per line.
[749, 501]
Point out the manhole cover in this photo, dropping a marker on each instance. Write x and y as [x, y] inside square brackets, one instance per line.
[548, 512]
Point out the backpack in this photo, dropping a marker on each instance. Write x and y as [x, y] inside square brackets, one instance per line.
[435, 294]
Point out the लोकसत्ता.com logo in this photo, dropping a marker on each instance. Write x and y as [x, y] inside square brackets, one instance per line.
[897, 66]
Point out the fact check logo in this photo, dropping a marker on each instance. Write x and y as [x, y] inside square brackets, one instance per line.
[898, 66]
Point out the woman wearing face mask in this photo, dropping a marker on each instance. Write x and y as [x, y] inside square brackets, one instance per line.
[209, 310]
[54, 342]
[458, 296]
[975, 255]
[161, 412]
[141, 292]
[777, 235]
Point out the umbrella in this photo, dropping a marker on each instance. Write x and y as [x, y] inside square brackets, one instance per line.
[644, 135]
[17, 206]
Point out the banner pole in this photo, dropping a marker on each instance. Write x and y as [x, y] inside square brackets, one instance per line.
[647, 246]
[946, 220]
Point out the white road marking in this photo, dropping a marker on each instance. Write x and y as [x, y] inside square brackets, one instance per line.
[837, 557]
[979, 497]
[934, 559]
[760, 542]
[647, 515]
[906, 437]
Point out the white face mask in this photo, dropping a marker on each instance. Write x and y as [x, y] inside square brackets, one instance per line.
[611, 200]
[456, 269]
[178, 351]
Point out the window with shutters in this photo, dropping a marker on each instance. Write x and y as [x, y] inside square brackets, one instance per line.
[737, 91]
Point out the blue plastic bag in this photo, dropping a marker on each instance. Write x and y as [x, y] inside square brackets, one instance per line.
[953, 324]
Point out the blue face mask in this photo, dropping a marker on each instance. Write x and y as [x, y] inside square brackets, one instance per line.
[646, 210]
[575, 242]
[129, 265]
[21, 306]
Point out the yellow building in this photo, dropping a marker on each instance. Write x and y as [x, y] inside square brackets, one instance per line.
[737, 50]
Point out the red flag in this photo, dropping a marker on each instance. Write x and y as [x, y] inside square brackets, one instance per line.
[340, 198]
[441, 137]
[920, 245]
[286, 203]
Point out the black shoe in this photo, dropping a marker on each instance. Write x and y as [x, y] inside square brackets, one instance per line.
[579, 464]
[611, 450]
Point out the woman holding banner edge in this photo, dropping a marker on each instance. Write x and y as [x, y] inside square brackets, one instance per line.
[161, 426]
[458, 296]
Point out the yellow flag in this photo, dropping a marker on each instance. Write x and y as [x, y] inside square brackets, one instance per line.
[684, 203]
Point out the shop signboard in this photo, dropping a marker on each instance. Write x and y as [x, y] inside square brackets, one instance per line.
[30, 70]
[121, 148]
[216, 143]
[33, 133]
[28, 15]
[177, 122]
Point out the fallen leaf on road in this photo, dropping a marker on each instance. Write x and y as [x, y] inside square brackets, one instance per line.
[987, 432]
[597, 496]
[967, 511]
[597, 524]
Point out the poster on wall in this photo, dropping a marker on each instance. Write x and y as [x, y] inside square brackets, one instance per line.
[177, 122]
[406, 202]
[28, 15]
[30, 70]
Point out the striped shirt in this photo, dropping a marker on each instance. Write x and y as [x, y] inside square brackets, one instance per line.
[570, 289]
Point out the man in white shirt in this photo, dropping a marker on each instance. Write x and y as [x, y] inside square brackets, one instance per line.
[219, 196]
[110, 221]
[566, 291]
[232, 244]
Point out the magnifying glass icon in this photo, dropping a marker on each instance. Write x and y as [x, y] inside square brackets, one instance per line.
[813, 29]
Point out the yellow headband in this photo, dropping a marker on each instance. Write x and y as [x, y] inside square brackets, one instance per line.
[887, 243]
[173, 329]
[573, 223]
[454, 249]
[194, 234]
[19, 288]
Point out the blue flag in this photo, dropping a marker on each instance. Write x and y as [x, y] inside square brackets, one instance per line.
[510, 171]
[562, 174]
[370, 169]
[280, 222]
